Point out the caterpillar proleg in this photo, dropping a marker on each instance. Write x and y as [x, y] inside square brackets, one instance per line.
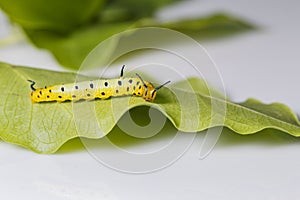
[96, 89]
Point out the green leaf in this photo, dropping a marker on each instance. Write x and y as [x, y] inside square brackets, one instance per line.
[71, 50]
[55, 15]
[70, 29]
[141, 8]
[211, 26]
[44, 127]
[62, 16]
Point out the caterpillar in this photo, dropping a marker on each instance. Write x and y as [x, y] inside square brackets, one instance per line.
[96, 89]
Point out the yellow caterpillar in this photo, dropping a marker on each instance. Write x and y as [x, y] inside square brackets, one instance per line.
[96, 89]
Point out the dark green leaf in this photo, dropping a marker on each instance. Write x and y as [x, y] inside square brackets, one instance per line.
[72, 49]
[54, 15]
[139, 9]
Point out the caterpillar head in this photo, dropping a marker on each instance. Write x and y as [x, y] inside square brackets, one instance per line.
[150, 91]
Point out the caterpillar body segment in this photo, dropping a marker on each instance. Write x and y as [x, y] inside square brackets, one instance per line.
[95, 89]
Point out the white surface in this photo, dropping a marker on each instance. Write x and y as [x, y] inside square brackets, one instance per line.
[261, 64]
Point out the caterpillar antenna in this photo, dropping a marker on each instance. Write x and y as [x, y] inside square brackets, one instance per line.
[157, 88]
[141, 80]
[122, 71]
[32, 84]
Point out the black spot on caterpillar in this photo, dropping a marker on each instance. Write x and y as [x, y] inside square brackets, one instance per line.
[96, 89]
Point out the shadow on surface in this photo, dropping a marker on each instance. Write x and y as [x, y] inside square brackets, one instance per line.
[119, 138]
[228, 138]
[267, 137]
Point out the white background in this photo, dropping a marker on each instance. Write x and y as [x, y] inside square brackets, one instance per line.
[262, 64]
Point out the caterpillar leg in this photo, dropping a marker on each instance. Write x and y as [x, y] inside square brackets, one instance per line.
[104, 98]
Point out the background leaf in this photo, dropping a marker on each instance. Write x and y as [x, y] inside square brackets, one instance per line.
[71, 50]
[138, 9]
[70, 29]
[55, 15]
[44, 127]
